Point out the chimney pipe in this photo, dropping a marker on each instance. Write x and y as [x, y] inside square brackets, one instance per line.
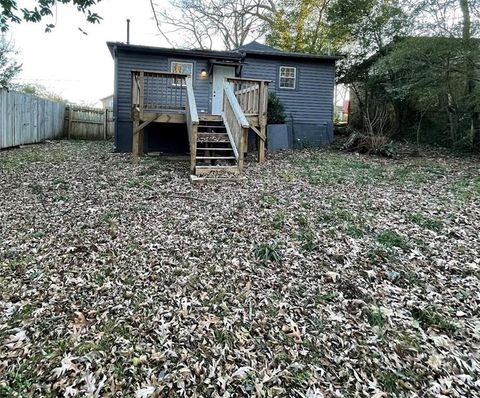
[128, 31]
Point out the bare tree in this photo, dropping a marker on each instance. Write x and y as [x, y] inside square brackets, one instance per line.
[204, 24]
[9, 68]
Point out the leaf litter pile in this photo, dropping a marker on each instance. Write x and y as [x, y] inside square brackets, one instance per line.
[321, 274]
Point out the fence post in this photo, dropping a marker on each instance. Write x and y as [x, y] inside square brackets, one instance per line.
[105, 124]
[70, 120]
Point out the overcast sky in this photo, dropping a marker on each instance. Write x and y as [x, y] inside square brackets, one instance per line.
[79, 67]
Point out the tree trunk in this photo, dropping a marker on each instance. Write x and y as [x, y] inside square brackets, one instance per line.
[469, 48]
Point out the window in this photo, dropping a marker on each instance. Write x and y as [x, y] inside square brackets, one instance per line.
[181, 67]
[288, 77]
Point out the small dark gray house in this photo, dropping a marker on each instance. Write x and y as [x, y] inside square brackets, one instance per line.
[206, 102]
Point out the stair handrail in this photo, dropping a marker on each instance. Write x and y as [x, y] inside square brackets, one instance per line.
[235, 122]
[191, 115]
[191, 104]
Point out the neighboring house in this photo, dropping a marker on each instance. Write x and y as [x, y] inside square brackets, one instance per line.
[107, 102]
[156, 89]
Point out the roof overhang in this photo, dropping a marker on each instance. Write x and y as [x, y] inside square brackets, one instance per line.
[220, 56]
[292, 56]
[209, 54]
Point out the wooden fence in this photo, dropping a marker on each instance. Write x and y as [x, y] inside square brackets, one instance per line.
[88, 123]
[26, 119]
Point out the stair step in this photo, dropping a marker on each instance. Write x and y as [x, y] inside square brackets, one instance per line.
[202, 170]
[215, 149]
[208, 126]
[205, 180]
[210, 118]
[216, 158]
[213, 137]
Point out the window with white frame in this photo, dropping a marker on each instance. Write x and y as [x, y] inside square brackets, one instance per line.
[288, 77]
[185, 68]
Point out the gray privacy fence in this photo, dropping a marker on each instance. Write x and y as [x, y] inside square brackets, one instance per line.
[26, 119]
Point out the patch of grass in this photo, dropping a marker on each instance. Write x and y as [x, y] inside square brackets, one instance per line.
[390, 239]
[389, 382]
[268, 252]
[302, 220]
[224, 337]
[407, 278]
[335, 168]
[433, 224]
[134, 183]
[270, 201]
[106, 217]
[355, 231]
[34, 274]
[429, 317]
[37, 189]
[376, 253]
[326, 297]
[376, 317]
[468, 188]
[61, 346]
[18, 382]
[282, 356]
[307, 240]
[86, 348]
[278, 220]
[287, 177]
[25, 313]
[301, 376]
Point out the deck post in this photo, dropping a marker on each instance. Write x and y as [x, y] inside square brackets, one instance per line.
[241, 150]
[136, 135]
[135, 142]
[142, 93]
[261, 145]
[193, 148]
[262, 119]
[140, 142]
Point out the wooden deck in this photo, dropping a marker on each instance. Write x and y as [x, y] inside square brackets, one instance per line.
[165, 97]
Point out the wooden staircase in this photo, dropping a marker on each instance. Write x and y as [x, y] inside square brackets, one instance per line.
[217, 143]
[215, 154]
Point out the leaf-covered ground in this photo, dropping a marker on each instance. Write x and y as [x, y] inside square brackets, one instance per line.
[322, 274]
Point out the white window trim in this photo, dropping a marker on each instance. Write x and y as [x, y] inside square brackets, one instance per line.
[294, 77]
[181, 62]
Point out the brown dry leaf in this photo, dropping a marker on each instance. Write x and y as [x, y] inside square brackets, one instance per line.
[321, 274]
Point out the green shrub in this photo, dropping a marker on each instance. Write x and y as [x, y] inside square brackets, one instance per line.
[276, 110]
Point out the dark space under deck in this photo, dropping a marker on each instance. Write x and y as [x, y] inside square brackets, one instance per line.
[171, 138]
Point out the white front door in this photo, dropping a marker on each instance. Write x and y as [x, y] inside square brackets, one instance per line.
[219, 75]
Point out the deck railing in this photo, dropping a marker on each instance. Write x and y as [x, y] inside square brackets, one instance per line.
[236, 123]
[252, 95]
[157, 92]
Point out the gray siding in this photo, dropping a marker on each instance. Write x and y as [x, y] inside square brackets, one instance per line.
[309, 106]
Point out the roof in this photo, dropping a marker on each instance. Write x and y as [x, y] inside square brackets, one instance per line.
[256, 46]
[233, 55]
[254, 49]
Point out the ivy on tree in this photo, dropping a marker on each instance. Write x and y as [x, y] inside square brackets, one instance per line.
[11, 13]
